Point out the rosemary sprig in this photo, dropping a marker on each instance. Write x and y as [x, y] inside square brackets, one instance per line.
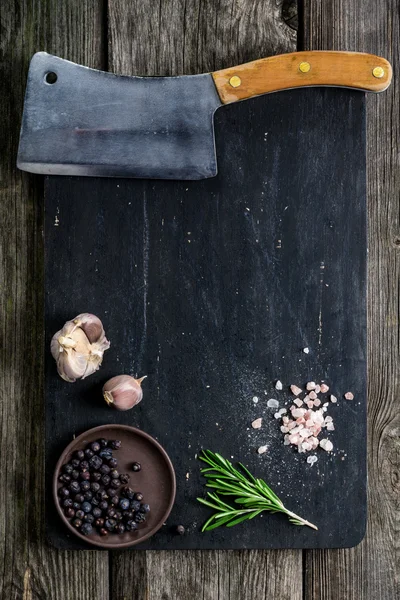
[253, 495]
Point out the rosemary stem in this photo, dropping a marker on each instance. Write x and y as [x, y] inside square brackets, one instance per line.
[302, 521]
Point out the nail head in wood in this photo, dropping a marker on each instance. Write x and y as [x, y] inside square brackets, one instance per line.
[235, 81]
[378, 72]
[304, 67]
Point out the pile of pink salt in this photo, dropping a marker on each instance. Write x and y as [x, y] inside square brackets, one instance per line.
[307, 420]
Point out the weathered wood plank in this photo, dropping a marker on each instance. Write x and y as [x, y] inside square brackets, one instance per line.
[371, 570]
[29, 567]
[179, 37]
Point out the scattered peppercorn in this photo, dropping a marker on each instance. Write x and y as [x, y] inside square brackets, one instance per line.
[88, 518]
[105, 479]
[136, 467]
[124, 478]
[124, 503]
[86, 529]
[139, 496]
[95, 462]
[115, 444]
[85, 486]
[105, 454]
[131, 525]
[74, 487]
[77, 523]
[180, 530]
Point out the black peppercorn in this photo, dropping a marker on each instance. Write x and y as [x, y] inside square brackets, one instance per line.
[115, 444]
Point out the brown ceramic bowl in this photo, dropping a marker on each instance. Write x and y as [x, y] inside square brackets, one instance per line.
[156, 480]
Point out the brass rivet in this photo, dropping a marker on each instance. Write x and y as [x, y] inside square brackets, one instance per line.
[235, 81]
[304, 67]
[378, 72]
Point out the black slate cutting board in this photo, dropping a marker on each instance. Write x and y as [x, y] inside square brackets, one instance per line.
[213, 288]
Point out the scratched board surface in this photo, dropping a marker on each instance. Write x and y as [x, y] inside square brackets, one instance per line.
[212, 289]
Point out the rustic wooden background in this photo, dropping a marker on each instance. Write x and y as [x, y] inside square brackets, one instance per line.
[167, 38]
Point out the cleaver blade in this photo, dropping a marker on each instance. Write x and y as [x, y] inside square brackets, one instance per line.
[94, 123]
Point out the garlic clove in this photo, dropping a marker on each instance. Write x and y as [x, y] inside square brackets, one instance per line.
[71, 365]
[91, 325]
[123, 392]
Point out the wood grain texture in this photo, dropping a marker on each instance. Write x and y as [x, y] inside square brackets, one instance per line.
[372, 569]
[29, 568]
[187, 37]
[213, 575]
[175, 37]
[303, 69]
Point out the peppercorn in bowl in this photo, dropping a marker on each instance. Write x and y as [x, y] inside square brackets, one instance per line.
[114, 486]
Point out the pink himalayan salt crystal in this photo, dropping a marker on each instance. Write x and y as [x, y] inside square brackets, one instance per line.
[333, 398]
[349, 396]
[286, 440]
[298, 402]
[256, 424]
[312, 460]
[295, 390]
[312, 396]
[310, 386]
[284, 429]
[291, 425]
[326, 445]
[317, 389]
[317, 402]
[310, 403]
[285, 420]
[262, 449]
[294, 438]
[324, 388]
[298, 412]
[305, 433]
[330, 427]
[300, 421]
[305, 446]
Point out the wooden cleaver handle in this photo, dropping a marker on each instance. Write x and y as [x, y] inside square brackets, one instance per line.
[303, 69]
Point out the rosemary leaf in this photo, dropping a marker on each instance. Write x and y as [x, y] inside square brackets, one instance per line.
[252, 495]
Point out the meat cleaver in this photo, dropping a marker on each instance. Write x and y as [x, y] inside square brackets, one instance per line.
[80, 121]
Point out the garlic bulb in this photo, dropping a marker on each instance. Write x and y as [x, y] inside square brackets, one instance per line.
[123, 392]
[79, 346]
